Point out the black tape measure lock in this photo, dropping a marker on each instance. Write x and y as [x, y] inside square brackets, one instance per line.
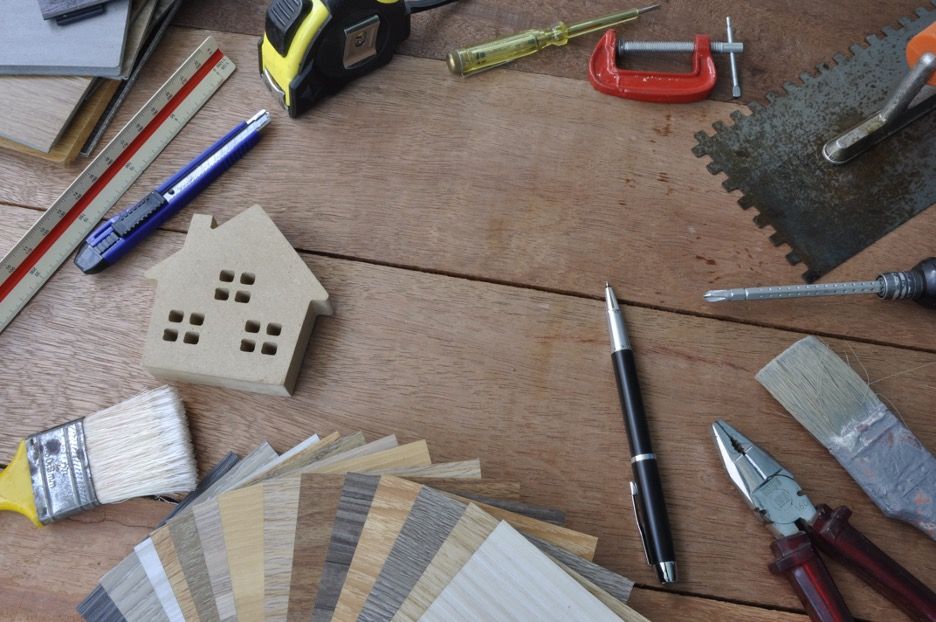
[312, 48]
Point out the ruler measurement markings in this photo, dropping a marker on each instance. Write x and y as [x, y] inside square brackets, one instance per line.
[75, 213]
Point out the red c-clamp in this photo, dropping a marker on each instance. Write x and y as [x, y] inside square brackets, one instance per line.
[652, 86]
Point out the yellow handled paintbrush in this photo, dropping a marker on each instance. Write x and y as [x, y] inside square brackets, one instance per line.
[136, 448]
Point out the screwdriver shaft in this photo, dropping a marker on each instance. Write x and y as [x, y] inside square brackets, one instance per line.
[794, 291]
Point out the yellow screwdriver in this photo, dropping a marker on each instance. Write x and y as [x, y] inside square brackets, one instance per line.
[468, 61]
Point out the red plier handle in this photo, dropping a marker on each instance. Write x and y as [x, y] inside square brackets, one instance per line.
[836, 537]
[797, 559]
[830, 532]
[652, 86]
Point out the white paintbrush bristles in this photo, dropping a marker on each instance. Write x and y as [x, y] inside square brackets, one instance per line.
[141, 447]
[819, 389]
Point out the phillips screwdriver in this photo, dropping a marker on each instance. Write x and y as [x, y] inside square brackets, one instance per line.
[471, 60]
[918, 283]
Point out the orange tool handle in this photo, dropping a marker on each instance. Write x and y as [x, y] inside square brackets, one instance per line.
[924, 42]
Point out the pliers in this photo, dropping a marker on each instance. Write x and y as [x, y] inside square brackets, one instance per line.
[801, 528]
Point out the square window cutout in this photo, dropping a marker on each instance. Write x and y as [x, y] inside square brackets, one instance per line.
[221, 294]
[176, 316]
[252, 326]
[268, 348]
[247, 345]
[190, 337]
[248, 278]
[274, 329]
[227, 276]
[242, 296]
[170, 335]
[197, 319]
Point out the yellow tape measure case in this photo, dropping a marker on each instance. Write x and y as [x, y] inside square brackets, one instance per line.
[312, 48]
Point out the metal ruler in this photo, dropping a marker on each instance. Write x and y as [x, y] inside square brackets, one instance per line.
[65, 225]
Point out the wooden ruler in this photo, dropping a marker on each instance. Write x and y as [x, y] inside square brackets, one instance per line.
[65, 225]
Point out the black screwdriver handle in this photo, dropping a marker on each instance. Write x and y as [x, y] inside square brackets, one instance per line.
[918, 283]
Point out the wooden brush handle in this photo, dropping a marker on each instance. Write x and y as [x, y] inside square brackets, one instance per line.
[798, 560]
[836, 537]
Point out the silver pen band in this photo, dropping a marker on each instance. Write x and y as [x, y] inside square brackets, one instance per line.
[642, 457]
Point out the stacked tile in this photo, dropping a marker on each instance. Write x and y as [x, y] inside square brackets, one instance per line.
[343, 529]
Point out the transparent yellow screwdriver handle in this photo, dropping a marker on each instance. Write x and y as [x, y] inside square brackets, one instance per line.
[471, 60]
[467, 61]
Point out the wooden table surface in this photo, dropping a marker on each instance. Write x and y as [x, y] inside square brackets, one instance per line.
[465, 229]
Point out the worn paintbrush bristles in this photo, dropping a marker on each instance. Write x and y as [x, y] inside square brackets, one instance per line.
[141, 447]
[819, 389]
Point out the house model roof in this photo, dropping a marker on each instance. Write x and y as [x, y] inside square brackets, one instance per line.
[234, 307]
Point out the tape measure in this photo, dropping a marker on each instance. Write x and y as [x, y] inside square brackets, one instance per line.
[312, 48]
[69, 220]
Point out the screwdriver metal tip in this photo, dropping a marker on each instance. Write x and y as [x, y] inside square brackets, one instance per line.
[647, 9]
[717, 295]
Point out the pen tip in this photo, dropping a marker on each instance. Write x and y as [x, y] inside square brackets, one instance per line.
[607, 285]
[647, 9]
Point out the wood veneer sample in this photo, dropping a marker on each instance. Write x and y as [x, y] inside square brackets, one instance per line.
[389, 511]
[309, 450]
[460, 470]
[431, 520]
[472, 529]
[37, 109]
[509, 579]
[69, 144]
[126, 585]
[280, 510]
[242, 521]
[353, 508]
[319, 495]
[165, 548]
[410, 455]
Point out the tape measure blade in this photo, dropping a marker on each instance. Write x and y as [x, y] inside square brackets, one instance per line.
[120, 164]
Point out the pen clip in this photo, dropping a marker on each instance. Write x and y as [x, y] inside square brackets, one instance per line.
[638, 518]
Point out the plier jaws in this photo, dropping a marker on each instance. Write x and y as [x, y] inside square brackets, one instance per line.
[768, 488]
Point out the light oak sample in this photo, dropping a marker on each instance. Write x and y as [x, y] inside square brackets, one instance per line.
[36, 109]
[509, 579]
[242, 520]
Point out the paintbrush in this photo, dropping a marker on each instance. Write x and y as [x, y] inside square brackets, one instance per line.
[837, 407]
[138, 447]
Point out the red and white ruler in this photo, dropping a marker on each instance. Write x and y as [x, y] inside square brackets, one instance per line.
[65, 225]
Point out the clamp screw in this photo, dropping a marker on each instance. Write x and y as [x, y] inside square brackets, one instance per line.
[735, 85]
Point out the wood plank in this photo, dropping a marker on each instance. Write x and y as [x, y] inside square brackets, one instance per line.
[659, 604]
[393, 352]
[822, 30]
[509, 579]
[582, 166]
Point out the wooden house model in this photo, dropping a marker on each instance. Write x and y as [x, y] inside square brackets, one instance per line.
[234, 307]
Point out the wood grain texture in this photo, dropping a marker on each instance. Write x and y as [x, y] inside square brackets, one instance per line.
[36, 109]
[560, 140]
[70, 142]
[318, 503]
[415, 454]
[768, 60]
[127, 586]
[658, 604]
[461, 469]
[242, 522]
[430, 521]
[353, 508]
[509, 579]
[165, 548]
[471, 530]
[577, 543]
[378, 353]
[185, 540]
[280, 508]
[301, 455]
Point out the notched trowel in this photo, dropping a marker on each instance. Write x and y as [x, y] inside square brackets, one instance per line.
[847, 156]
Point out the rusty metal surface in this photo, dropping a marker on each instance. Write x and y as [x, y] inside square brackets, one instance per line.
[827, 213]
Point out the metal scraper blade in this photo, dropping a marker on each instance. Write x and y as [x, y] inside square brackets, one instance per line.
[826, 212]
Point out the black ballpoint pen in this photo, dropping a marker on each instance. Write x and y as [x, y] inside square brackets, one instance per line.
[646, 489]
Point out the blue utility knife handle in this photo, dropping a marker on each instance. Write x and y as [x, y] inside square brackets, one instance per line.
[174, 204]
[207, 153]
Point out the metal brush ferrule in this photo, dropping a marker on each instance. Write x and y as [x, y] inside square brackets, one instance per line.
[60, 472]
[901, 285]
